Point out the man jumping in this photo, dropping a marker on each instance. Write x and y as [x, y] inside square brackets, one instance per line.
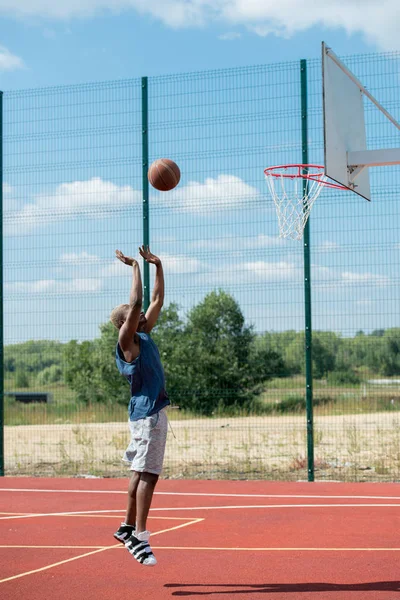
[138, 360]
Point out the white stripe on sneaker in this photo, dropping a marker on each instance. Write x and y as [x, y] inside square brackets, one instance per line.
[140, 549]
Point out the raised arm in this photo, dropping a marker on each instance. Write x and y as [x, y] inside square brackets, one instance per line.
[157, 297]
[126, 337]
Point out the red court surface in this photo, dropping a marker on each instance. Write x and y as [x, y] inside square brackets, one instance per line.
[213, 539]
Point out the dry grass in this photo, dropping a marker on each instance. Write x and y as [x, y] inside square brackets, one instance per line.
[354, 447]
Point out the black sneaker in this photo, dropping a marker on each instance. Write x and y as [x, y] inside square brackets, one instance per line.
[140, 549]
[124, 533]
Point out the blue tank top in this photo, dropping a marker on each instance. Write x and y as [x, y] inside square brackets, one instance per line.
[146, 379]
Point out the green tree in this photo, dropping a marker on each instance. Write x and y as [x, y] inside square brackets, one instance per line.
[33, 356]
[212, 360]
[112, 387]
[389, 355]
[80, 371]
[265, 359]
[169, 336]
[21, 378]
[214, 356]
[294, 355]
[90, 368]
[325, 346]
[48, 375]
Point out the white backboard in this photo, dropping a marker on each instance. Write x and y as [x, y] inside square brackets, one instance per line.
[344, 125]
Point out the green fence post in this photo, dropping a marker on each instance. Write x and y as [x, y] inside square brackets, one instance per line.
[1, 297]
[307, 283]
[145, 184]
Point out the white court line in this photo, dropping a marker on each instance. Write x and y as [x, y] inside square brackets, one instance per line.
[29, 547]
[279, 549]
[90, 514]
[25, 547]
[90, 553]
[47, 491]
[61, 562]
[80, 513]
[246, 506]
[186, 508]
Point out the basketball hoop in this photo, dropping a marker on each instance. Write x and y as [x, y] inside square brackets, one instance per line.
[294, 189]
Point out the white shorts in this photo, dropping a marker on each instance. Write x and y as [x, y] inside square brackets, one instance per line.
[148, 439]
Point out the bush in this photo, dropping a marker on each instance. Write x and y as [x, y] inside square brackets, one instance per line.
[297, 403]
[343, 376]
[51, 374]
[21, 379]
[292, 403]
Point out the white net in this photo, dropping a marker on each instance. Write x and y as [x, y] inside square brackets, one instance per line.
[294, 198]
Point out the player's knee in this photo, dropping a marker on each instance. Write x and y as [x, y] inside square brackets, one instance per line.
[149, 478]
[133, 484]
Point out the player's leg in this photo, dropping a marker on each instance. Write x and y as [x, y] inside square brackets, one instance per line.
[132, 495]
[149, 461]
[128, 526]
[138, 544]
[144, 496]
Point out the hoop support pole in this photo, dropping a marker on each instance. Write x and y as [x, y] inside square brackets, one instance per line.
[373, 158]
[307, 282]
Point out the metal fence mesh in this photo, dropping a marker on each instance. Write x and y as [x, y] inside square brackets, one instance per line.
[355, 285]
[73, 194]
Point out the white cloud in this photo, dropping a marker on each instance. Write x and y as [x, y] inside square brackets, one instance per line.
[172, 264]
[115, 269]
[180, 264]
[73, 258]
[246, 273]
[94, 197]
[377, 21]
[54, 286]
[328, 278]
[365, 303]
[172, 12]
[7, 189]
[320, 273]
[223, 192]
[11, 200]
[230, 36]
[364, 278]
[80, 196]
[97, 198]
[8, 196]
[231, 243]
[272, 271]
[8, 61]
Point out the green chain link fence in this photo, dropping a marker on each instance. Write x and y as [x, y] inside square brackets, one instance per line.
[231, 334]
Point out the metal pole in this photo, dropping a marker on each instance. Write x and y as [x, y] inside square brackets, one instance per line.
[1, 297]
[307, 283]
[145, 184]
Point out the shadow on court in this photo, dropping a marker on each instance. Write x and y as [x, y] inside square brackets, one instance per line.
[274, 588]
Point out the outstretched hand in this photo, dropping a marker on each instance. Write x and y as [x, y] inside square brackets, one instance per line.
[144, 251]
[127, 260]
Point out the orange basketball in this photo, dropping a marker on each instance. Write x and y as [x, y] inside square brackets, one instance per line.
[164, 174]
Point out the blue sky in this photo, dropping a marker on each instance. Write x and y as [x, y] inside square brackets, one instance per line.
[216, 230]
